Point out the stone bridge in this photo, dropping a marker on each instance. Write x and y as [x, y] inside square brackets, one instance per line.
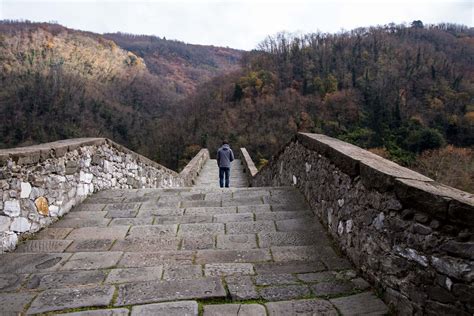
[324, 228]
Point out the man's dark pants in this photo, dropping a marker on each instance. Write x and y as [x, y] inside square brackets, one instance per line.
[224, 173]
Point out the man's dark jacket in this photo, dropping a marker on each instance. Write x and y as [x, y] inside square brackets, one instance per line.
[225, 156]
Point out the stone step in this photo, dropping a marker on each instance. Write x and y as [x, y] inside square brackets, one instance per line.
[159, 250]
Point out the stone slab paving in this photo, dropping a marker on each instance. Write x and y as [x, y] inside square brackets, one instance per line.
[183, 308]
[58, 299]
[361, 304]
[209, 176]
[301, 307]
[102, 312]
[162, 291]
[234, 310]
[187, 251]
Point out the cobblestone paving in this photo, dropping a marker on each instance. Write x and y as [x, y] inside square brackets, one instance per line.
[189, 251]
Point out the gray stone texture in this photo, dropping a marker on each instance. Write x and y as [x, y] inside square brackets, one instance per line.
[101, 312]
[55, 300]
[92, 260]
[11, 282]
[134, 274]
[150, 259]
[250, 227]
[289, 267]
[53, 233]
[186, 244]
[241, 241]
[301, 307]
[116, 232]
[44, 245]
[284, 292]
[14, 303]
[159, 291]
[220, 256]
[241, 288]
[57, 280]
[196, 242]
[399, 227]
[199, 211]
[31, 262]
[182, 272]
[226, 218]
[197, 229]
[183, 308]
[137, 244]
[92, 245]
[360, 304]
[275, 279]
[65, 172]
[234, 310]
[332, 288]
[228, 269]
[153, 231]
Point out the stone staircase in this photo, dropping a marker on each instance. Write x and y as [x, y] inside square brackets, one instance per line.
[190, 251]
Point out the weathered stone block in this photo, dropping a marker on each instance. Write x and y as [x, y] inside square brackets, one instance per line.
[116, 232]
[237, 242]
[360, 304]
[11, 282]
[150, 259]
[289, 267]
[310, 307]
[196, 229]
[332, 288]
[31, 262]
[218, 256]
[101, 312]
[182, 272]
[54, 300]
[11, 208]
[92, 260]
[159, 291]
[90, 245]
[188, 308]
[275, 279]
[44, 245]
[134, 274]
[234, 310]
[285, 292]
[150, 231]
[250, 227]
[198, 242]
[241, 288]
[228, 269]
[69, 279]
[14, 303]
[134, 244]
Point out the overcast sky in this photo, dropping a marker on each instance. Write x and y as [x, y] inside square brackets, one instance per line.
[238, 24]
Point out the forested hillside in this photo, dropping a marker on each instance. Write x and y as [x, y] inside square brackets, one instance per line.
[58, 83]
[184, 66]
[399, 89]
[402, 91]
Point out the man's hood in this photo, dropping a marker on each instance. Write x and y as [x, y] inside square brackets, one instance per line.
[225, 146]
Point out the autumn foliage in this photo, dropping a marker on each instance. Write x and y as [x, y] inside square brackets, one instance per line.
[450, 165]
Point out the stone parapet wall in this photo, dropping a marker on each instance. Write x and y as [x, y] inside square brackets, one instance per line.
[192, 169]
[249, 167]
[39, 184]
[412, 237]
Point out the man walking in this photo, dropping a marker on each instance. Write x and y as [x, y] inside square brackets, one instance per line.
[225, 156]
